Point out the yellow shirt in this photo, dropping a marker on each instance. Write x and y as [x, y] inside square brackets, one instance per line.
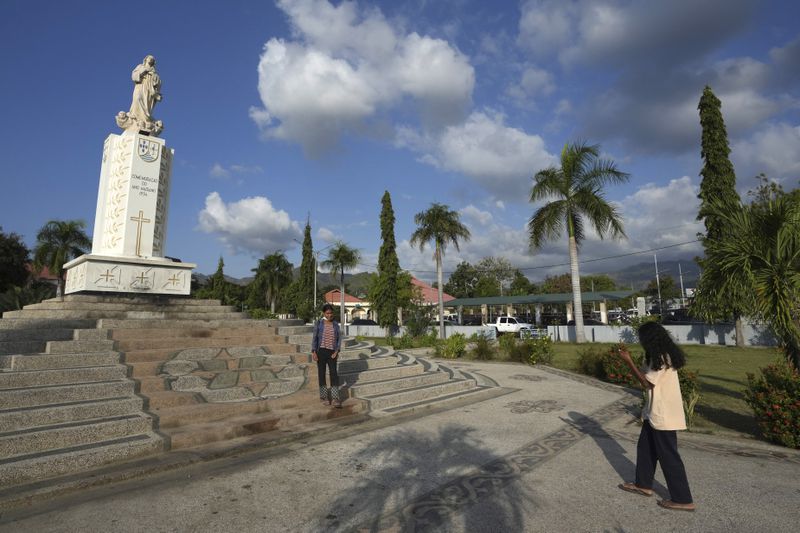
[664, 406]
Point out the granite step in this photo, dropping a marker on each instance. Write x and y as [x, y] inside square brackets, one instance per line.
[181, 415]
[149, 384]
[38, 334]
[44, 323]
[182, 343]
[385, 386]
[378, 374]
[183, 333]
[37, 467]
[22, 347]
[467, 396]
[106, 306]
[79, 346]
[134, 299]
[161, 401]
[29, 417]
[70, 434]
[52, 362]
[58, 394]
[239, 426]
[117, 324]
[391, 399]
[61, 376]
[357, 365]
[129, 314]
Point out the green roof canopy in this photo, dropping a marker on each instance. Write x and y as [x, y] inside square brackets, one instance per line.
[561, 298]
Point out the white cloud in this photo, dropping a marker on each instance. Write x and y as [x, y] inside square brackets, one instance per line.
[500, 158]
[326, 235]
[250, 224]
[774, 150]
[534, 82]
[220, 172]
[346, 67]
[476, 215]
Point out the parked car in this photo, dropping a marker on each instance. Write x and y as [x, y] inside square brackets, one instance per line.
[363, 322]
[510, 324]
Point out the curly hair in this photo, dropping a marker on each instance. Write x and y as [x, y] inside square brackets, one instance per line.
[327, 307]
[659, 348]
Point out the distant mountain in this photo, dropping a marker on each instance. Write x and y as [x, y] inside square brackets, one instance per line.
[641, 274]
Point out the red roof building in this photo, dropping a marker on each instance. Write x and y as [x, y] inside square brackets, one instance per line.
[430, 296]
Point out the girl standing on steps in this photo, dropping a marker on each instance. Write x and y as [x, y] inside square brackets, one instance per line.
[325, 351]
[662, 418]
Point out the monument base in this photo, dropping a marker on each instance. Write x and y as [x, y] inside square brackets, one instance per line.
[104, 273]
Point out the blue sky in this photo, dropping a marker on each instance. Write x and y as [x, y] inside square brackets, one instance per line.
[282, 110]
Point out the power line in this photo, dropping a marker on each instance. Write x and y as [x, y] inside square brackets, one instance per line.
[629, 254]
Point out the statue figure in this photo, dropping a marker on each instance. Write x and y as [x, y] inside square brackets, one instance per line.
[146, 92]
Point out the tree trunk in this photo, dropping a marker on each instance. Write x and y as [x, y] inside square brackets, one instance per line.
[439, 291]
[60, 288]
[341, 300]
[739, 327]
[272, 306]
[577, 304]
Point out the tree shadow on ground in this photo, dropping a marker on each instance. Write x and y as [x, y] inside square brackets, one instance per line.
[428, 482]
[728, 419]
[705, 386]
[614, 453]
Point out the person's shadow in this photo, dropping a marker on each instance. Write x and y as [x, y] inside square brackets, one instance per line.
[613, 452]
[469, 484]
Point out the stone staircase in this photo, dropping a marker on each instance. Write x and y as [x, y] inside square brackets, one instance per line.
[93, 380]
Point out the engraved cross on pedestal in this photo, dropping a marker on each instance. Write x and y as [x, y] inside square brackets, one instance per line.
[139, 221]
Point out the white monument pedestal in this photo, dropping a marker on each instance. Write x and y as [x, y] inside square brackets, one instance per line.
[130, 223]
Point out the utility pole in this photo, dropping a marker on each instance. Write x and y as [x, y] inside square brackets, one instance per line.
[683, 292]
[658, 285]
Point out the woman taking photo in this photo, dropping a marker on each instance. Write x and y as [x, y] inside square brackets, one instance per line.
[662, 418]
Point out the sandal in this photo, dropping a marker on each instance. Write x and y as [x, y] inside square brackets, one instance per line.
[673, 506]
[632, 487]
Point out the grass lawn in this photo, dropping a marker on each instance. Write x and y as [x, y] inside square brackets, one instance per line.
[722, 372]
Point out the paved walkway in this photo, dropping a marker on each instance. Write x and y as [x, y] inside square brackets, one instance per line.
[547, 456]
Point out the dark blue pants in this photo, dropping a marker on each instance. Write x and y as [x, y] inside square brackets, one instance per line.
[656, 446]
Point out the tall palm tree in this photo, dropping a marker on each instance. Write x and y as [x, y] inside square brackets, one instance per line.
[757, 263]
[340, 258]
[273, 273]
[443, 226]
[577, 189]
[57, 243]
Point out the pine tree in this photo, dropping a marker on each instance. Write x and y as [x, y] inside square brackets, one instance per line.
[384, 292]
[719, 180]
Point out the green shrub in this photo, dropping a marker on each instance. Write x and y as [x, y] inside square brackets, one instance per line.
[690, 393]
[261, 314]
[454, 346]
[507, 345]
[590, 362]
[428, 340]
[616, 370]
[402, 342]
[540, 350]
[483, 349]
[775, 399]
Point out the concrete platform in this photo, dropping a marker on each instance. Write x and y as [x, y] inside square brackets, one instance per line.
[547, 456]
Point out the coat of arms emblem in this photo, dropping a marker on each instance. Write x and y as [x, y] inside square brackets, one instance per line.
[148, 150]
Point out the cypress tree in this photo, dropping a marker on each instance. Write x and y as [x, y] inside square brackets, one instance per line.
[384, 293]
[305, 289]
[718, 186]
[719, 180]
[217, 282]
